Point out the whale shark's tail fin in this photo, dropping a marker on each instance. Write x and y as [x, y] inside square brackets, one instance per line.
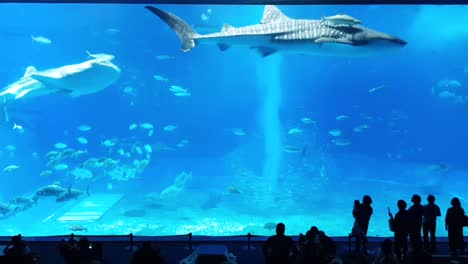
[183, 30]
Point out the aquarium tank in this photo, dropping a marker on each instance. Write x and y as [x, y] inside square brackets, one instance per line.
[224, 120]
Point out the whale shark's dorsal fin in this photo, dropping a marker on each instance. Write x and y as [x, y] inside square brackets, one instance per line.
[30, 70]
[227, 27]
[273, 14]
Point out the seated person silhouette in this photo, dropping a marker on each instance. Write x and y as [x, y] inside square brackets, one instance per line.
[279, 249]
[17, 247]
[147, 254]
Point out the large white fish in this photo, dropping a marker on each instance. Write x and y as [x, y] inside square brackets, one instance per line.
[73, 80]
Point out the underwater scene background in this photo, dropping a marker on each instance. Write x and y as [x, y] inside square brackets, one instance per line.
[227, 142]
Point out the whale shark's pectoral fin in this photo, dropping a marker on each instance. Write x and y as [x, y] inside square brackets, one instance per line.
[223, 46]
[265, 51]
[53, 84]
[23, 93]
[333, 40]
[49, 82]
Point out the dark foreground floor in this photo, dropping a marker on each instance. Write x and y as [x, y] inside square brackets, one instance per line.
[117, 251]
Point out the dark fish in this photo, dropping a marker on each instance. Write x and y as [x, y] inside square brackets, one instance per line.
[71, 194]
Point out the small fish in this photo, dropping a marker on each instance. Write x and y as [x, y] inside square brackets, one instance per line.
[205, 17]
[335, 132]
[150, 133]
[132, 127]
[146, 126]
[11, 168]
[307, 120]
[60, 167]
[129, 90]
[41, 40]
[361, 128]
[341, 19]
[46, 173]
[170, 128]
[182, 143]
[294, 131]
[108, 143]
[138, 150]
[366, 116]
[238, 132]
[66, 153]
[121, 152]
[376, 88]
[341, 142]
[79, 153]
[148, 148]
[160, 78]
[100, 56]
[291, 149]
[177, 89]
[82, 140]
[80, 173]
[182, 94]
[112, 31]
[52, 154]
[18, 128]
[84, 128]
[164, 57]
[78, 228]
[60, 145]
[342, 117]
[233, 190]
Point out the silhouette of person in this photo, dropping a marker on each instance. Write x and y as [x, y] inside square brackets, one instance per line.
[431, 212]
[400, 229]
[386, 253]
[147, 254]
[311, 252]
[17, 248]
[356, 230]
[364, 214]
[419, 256]
[415, 213]
[454, 225]
[279, 249]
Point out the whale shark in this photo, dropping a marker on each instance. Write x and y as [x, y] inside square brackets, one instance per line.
[73, 80]
[277, 32]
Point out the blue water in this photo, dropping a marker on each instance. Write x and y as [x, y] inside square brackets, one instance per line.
[238, 182]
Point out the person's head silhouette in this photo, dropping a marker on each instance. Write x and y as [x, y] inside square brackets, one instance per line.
[280, 229]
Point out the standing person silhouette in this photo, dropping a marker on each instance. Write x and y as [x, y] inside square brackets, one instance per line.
[430, 214]
[454, 226]
[364, 214]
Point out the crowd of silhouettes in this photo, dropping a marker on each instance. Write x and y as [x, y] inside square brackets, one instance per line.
[315, 246]
[406, 225]
[81, 251]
